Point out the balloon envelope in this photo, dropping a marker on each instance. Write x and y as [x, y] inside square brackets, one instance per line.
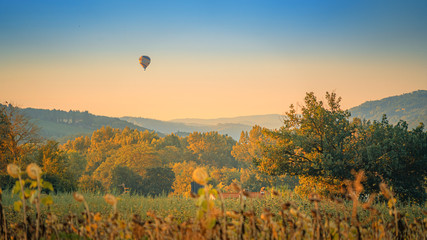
[144, 61]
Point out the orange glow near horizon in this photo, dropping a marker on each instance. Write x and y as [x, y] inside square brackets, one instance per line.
[200, 89]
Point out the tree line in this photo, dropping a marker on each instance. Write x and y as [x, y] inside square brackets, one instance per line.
[316, 149]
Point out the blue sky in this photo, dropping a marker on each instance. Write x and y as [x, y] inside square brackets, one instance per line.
[233, 48]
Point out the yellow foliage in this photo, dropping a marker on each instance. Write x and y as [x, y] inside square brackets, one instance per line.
[318, 185]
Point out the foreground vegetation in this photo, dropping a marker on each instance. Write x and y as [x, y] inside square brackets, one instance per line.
[279, 215]
[315, 154]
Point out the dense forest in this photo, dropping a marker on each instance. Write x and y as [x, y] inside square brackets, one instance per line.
[317, 150]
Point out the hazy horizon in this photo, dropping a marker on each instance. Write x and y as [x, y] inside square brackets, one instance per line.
[209, 59]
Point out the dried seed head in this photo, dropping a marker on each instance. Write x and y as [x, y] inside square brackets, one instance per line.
[200, 176]
[264, 216]
[286, 206]
[245, 193]
[78, 197]
[235, 187]
[233, 214]
[384, 189]
[34, 171]
[110, 199]
[360, 177]
[314, 197]
[275, 193]
[337, 200]
[249, 214]
[13, 170]
[193, 195]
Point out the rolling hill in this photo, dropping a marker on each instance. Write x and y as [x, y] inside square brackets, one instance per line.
[61, 125]
[231, 129]
[410, 107]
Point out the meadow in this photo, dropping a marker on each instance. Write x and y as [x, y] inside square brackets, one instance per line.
[278, 215]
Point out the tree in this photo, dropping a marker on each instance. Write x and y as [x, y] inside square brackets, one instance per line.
[316, 143]
[394, 155]
[212, 149]
[249, 146]
[183, 177]
[56, 167]
[157, 181]
[323, 146]
[18, 136]
[122, 176]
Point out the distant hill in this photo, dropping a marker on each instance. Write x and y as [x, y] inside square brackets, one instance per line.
[229, 126]
[271, 121]
[61, 125]
[410, 107]
[231, 129]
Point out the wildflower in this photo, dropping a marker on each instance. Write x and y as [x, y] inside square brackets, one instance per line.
[78, 197]
[200, 176]
[13, 170]
[33, 171]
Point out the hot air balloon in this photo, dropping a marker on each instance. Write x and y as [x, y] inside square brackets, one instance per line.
[144, 61]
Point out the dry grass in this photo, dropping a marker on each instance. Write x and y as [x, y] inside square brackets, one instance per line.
[281, 216]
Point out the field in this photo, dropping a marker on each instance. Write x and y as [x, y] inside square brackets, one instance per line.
[281, 215]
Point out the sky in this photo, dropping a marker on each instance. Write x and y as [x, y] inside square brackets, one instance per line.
[210, 59]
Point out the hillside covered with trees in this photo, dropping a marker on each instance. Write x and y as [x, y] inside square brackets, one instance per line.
[62, 125]
[410, 107]
[323, 147]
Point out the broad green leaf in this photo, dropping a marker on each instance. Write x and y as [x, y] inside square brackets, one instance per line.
[17, 206]
[17, 188]
[214, 192]
[47, 185]
[33, 196]
[27, 193]
[211, 223]
[33, 184]
[47, 200]
[201, 191]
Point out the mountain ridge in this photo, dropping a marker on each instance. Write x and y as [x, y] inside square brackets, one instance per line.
[62, 125]
[410, 107]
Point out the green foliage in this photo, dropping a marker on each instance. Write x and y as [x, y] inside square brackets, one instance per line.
[123, 176]
[88, 184]
[212, 149]
[57, 167]
[394, 155]
[322, 143]
[7, 182]
[157, 181]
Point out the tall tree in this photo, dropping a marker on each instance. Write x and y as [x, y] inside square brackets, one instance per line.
[249, 146]
[323, 146]
[212, 149]
[18, 136]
